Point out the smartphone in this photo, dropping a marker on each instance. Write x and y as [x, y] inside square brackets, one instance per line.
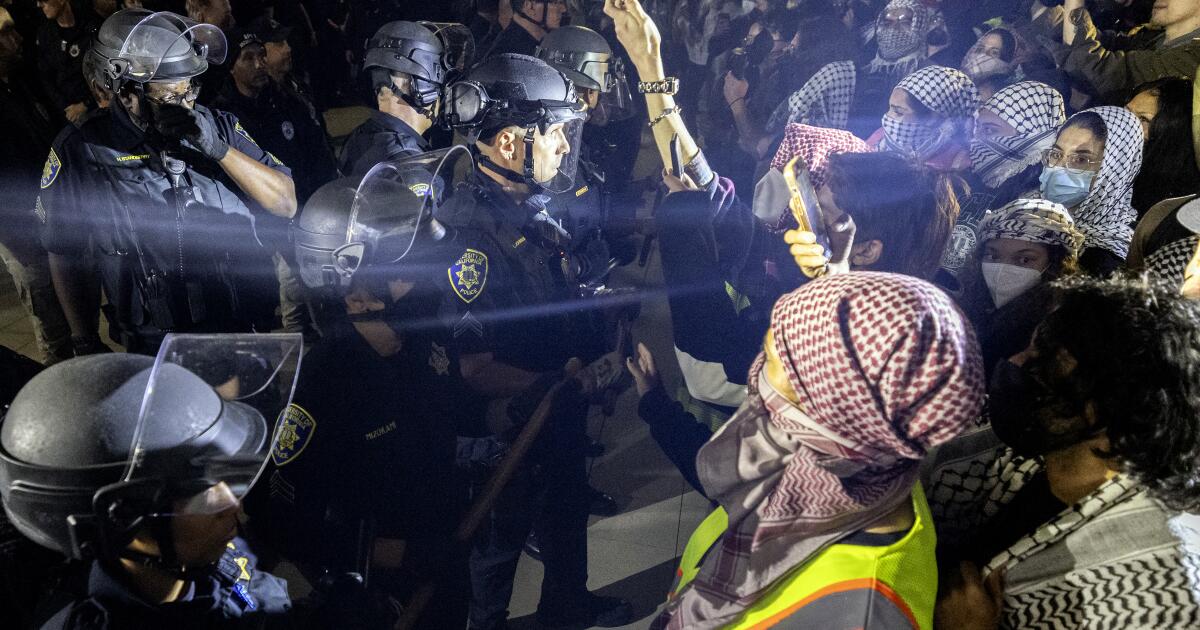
[804, 205]
[676, 157]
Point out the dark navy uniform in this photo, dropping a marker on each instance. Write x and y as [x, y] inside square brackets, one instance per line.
[380, 138]
[514, 39]
[583, 213]
[233, 595]
[370, 440]
[60, 60]
[510, 291]
[287, 127]
[105, 187]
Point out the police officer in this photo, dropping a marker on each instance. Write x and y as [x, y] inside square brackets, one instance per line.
[62, 41]
[587, 60]
[531, 21]
[161, 534]
[279, 122]
[369, 483]
[406, 66]
[164, 190]
[513, 302]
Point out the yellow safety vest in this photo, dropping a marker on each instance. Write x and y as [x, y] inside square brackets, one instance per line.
[904, 572]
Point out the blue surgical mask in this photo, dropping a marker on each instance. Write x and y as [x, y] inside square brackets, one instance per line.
[1065, 185]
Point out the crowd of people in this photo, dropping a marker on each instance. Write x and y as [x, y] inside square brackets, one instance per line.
[932, 269]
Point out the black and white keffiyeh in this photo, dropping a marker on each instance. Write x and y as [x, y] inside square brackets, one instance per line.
[902, 48]
[1170, 261]
[1106, 217]
[1034, 221]
[824, 100]
[947, 92]
[1036, 111]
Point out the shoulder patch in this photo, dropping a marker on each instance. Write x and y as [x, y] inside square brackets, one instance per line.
[295, 431]
[420, 189]
[50, 169]
[468, 275]
[241, 131]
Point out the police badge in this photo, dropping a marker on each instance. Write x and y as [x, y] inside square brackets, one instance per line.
[468, 275]
[50, 169]
[295, 431]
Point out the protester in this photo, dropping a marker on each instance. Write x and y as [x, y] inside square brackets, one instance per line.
[1025, 245]
[815, 474]
[1109, 65]
[1168, 162]
[1090, 171]
[991, 62]
[929, 119]
[1080, 489]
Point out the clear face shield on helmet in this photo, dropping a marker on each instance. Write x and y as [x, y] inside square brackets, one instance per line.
[394, 204]
[458, 44]
[212, 413]
[165, 47]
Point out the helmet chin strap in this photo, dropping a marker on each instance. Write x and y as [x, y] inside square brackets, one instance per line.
[528, 178]
[167, 562]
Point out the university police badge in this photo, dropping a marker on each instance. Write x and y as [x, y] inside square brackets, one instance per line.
[295, 431]
[468, 275]
[50, 169]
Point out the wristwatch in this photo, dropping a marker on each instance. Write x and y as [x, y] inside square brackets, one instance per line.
[668, 86]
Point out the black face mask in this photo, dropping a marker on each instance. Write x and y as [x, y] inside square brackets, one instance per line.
[1030, 417]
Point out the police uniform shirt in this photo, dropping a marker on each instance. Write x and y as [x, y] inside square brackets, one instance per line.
[380, 138]
[233, 595]
[514, 39]
[366, 437]
[60, 60]
[102, 176]
[509, 288]
[28, 132]
[285, 126]
[581, 211]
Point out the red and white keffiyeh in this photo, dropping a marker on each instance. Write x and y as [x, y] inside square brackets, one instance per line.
[814, 145]
[885, 367]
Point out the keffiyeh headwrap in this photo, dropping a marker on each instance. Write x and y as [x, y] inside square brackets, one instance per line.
[1033, 221]
[814, 145]
[885, 368]
[901, 48]
[824, 100]
[979, 65]
[1106, 217]
[947, 92]
[1036, 111]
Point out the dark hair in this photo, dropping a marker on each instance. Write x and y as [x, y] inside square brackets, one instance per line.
[1169, 159]
[1090, 121]
[903, 205]
[1144, 378]
[1008, 43]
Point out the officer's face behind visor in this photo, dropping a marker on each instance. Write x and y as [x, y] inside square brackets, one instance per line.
[508, 150]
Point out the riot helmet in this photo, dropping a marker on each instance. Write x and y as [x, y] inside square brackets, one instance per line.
[518, 90]
[136, 46]
[97, 449]
[379, 220]
[586, 58]
[413, 50]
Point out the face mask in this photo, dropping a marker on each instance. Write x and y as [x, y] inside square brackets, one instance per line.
[1021, 407]
[909, 137]
[897, 41]
[1008, 281]
[1066, 186]
[978, 66]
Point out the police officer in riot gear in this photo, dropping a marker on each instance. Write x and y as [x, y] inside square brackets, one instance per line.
[406, 64]
[587, 60]
[163, 191]
[369, 483]
[159, 531]
[513, 302]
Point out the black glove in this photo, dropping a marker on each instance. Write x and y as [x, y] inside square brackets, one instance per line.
[88, 344]
[196, 129]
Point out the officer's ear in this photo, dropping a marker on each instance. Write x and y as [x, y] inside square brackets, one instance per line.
[506, 143]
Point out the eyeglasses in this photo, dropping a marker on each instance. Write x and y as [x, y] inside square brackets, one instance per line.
[1054, 157]
[175, 98]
